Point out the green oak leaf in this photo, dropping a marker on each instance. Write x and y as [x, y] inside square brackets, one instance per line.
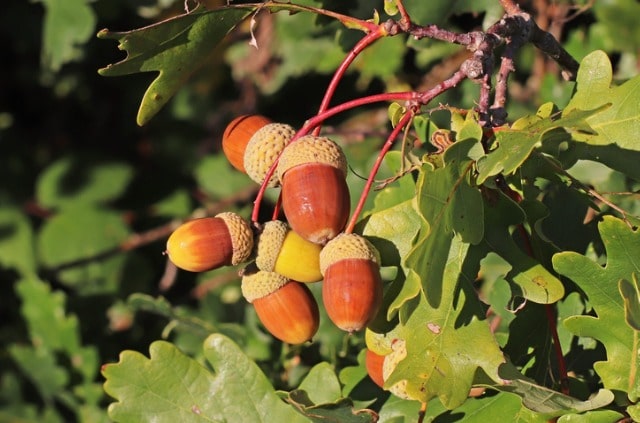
[319, 398]
[618, 124]
[448, 342]
[392, 231]
[341, 410]
[175, 48]
[450, 206]
[496, 407]
[620, 370]
[516, 144]
[321, 383]
[544, 400]
[528, 277]
[171, 387]
[68, 24]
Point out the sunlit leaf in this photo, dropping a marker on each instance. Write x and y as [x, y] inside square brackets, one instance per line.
[617, 124]
[172, 387]
[321, 384]
[175, 48]
[514, 146]
[451, 206]
[620, 369]
[449, 340]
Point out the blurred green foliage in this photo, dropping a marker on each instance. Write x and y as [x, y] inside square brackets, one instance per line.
[88, 197]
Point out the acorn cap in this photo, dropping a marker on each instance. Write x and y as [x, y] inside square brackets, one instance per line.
[261, 283]
[241, 236]
[269, 244]
[311, 149]
[347, 246]
[263, 150]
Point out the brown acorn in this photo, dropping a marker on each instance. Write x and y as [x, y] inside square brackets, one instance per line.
[208, 243]
[373, 363]
[264, 148]
[315, 195]
[286, 308]
[352, 286]
[281, 250]
[237, 135]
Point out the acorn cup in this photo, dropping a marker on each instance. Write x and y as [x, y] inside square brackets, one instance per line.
[286, 308]
[237, 135]
[315, 195]
[208, 243]
[281, 250]
[264, 148]
[352, 286]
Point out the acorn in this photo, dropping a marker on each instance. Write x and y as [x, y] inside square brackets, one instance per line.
[352, 287]
[315, 195]
[281, 250]
[286, 308]
[210, 242]
[373, 363]
[264, 148]
[236, 136]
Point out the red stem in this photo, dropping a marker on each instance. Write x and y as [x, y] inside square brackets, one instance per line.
[319, 118]
[374, 170]
[548, 308]
[342, 69]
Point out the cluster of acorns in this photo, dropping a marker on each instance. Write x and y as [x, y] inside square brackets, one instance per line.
[310, 247]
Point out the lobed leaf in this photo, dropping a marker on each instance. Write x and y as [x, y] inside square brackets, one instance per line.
[620, 370]
[174, 48]
[528, 277]
[450, 206]
[342, 410]
[544, 400]
[616, 125]
[172, 387]
[516, 144]
[448, 341]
